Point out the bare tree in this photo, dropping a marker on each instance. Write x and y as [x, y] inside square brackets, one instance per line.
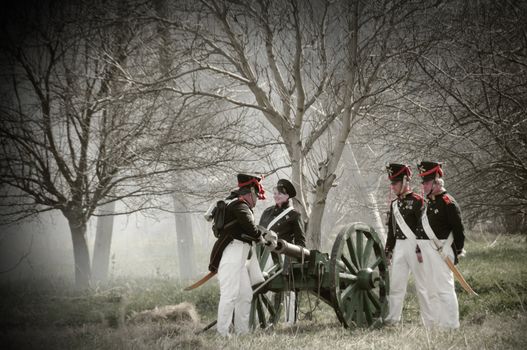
[478, 79]
[465, 105]
[75, 134]
[303, 65]
[103, 242]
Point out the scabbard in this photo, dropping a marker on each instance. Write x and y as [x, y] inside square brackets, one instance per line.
[459, 277]
[201, 281]
[457, 274]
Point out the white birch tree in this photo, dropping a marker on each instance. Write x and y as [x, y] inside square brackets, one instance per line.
[303, 65]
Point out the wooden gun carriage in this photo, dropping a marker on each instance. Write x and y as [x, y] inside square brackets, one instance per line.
[353, 279]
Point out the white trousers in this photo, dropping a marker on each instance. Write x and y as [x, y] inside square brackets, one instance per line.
[442, 293]
[404, 261]
[235, 289]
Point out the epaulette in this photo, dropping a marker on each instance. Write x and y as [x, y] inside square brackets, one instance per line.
[447, 198]
[416, 196]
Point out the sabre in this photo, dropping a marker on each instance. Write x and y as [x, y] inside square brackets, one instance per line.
[455, 271]
[439, 247]
[200, 282]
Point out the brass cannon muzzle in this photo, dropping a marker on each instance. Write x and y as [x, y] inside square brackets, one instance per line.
[296, 251]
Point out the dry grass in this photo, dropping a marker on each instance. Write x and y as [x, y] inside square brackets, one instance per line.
[494, 332]
[123, 315]
[183, 313]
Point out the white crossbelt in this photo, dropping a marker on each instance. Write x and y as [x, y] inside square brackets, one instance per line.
[255, 272]
[432, 236]
[282, 214]
[402, 223]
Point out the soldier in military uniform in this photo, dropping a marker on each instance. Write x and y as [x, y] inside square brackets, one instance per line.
[283, 219]
[289, 227]
[404, 246]
[442, 223]
[233, 276]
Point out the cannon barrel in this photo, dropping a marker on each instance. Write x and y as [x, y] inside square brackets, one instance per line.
[283, 247]
[292, 250]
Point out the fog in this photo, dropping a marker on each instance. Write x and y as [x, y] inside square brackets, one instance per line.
[143, 245]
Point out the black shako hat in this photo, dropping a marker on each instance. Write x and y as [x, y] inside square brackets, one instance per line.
[285, 186]
[397, 172]
[430, 170]
[245, 182]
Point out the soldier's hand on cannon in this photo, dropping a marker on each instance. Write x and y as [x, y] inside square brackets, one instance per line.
[271, 239]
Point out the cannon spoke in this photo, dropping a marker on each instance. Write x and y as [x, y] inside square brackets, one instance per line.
[357, 305]
[350, 305]
[348, 264]
[359, 247]
[375, 309]
[350, 313]
[346, 292]
[376, 263]
[260, 311]
[374, 300]
[347, 276]
[269, 306]
[360, 309]
[353, 309]
[368, 248]
[352, 253]
[368, 307]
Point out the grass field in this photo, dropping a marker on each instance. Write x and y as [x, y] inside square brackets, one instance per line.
[51, 315]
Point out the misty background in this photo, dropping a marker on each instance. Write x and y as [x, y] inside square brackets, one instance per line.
[122, 121]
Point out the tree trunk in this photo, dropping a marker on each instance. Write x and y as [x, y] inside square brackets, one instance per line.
[314, 236]
[185, 242]
[103, 243]
[297, 162]
[81, 255]
[323, 185]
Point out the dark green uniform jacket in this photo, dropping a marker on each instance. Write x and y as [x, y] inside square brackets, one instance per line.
[244, 229]
[288, 228]
[444, 216]
[410, 208]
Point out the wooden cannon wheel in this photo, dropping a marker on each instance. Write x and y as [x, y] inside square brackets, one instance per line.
[359, 280]
[266, 307]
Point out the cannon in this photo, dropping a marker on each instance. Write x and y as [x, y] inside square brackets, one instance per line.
[354, 279]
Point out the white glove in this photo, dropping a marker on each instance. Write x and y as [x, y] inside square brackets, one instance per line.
[271, 239]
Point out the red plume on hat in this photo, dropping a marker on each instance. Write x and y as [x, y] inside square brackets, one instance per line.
[397, 172]
[430, 170]
[248, 181]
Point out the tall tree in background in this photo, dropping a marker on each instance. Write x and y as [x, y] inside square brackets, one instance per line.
[185, 237]
[303, 65]
[469, 104]
[103, 242]
[67, 135]
[465, 105]
[75, 135]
